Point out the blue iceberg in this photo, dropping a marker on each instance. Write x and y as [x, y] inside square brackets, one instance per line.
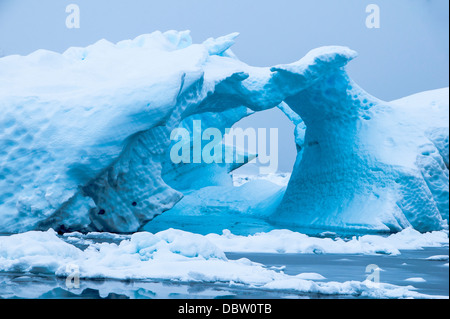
[86, 136]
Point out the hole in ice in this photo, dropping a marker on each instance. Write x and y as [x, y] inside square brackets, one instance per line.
[101, 212]
[287, 152]
[134, 204]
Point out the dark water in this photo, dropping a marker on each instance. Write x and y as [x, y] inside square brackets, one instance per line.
[340, 267]
[335, 267]
[19, 286]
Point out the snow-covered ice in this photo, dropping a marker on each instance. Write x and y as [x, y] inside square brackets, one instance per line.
[286, 241]
[171, 255]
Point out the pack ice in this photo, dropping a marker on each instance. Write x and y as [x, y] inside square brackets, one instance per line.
[85, 140]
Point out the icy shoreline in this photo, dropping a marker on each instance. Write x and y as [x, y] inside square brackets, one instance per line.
[184, 257]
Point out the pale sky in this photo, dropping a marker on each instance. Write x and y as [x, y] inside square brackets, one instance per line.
[408, 54]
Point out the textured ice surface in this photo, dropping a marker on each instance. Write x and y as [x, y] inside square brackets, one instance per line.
[243, 209]
[368, 164]
[85, 137]
[174, 255]
[84, 133]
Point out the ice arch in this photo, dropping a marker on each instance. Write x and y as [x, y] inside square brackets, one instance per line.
[85, 134]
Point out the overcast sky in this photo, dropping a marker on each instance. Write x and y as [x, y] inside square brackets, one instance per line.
[408, 54]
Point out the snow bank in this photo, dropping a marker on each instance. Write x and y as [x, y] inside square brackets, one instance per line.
[173, 255]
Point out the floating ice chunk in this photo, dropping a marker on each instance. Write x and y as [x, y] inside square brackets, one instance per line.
[438, 258]
[285, 241]
[416, 279]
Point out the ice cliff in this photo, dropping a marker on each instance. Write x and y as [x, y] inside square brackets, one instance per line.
[85, 140]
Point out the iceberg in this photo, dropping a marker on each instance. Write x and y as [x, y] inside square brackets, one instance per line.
[86, 135]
